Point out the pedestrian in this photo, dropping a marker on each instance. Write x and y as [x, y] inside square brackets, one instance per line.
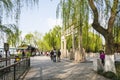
[8, 54]
[51, 54]
[41, 53]
[58, 55]
[102, 57]
[54, 55]
[23, 54]
[1, 54]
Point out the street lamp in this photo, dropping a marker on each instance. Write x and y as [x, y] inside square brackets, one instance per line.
[6, 48]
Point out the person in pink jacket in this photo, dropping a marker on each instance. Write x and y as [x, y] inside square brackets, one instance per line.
[102, 57]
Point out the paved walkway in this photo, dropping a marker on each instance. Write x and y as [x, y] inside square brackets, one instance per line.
[42, 68]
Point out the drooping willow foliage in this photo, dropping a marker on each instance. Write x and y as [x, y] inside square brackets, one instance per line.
[12, 9]
[116, 30]
[76, 14]
[73, 11]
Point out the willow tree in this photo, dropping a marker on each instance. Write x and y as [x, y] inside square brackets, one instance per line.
[16, 11]
[117, 29]
[7, 30]
[74, 14]
[12, 9]
[5, 5]
[13, 36]
[82, 18]
[110, 8]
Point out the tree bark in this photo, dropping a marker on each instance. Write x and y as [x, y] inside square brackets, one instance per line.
[109, 58]
[81, 55]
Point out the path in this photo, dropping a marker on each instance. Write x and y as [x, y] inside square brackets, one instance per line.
[44, 69]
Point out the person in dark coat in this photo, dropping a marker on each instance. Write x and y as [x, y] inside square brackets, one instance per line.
[58, 55]
[51, 54]
[23, 54]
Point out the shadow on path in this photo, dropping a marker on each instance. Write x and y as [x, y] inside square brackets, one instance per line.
[42, 68]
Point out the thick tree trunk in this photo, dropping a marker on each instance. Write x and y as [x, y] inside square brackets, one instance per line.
[109, 63]
[79, 55]
[107, 33]
[109, 58]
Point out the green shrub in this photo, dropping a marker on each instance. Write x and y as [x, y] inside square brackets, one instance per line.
[110, 75]
[28, 54]
[117, 65]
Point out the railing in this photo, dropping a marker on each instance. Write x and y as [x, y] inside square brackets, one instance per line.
[4, 62]
[14, 71]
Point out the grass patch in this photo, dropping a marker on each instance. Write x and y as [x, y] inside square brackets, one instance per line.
[110, 75]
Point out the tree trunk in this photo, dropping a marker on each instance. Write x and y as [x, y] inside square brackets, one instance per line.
[109, 57]
[63, 47]
[110, 63]
[79, 52]
[65, 50]
[73, 44]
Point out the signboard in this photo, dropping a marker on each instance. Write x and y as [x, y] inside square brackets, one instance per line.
[6, 46]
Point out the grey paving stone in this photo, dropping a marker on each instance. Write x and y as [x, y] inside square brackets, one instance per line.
[42, 68]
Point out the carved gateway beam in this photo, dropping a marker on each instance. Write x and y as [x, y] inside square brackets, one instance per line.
[64, 33]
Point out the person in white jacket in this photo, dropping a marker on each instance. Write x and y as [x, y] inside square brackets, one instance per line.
[54, 55]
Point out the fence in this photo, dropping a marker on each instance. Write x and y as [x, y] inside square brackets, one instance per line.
[14, 71]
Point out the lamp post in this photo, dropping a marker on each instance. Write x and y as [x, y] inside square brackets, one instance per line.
[6, 48]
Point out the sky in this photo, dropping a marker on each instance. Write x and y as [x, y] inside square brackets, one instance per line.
[40, 19]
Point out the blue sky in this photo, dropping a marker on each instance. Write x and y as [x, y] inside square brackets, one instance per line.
[40, 19]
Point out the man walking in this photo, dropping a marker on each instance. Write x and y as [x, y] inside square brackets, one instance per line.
[58, 55]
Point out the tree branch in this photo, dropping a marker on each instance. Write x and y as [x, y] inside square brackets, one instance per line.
[113, 15]
[96, 25]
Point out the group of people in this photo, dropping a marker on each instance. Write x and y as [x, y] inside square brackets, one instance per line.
[55, 55]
